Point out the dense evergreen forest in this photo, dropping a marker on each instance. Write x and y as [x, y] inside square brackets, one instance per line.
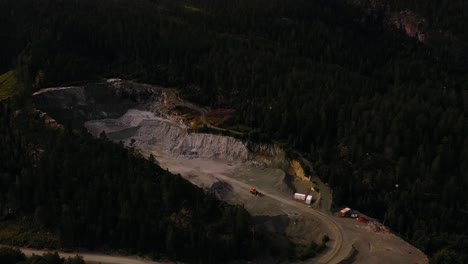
[14, 256]
[97, 194]
[382, 116]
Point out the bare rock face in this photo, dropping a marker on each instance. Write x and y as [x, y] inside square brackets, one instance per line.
[147, 131]
[140, 115]
[418, 27]
[213, 147]
[150, 132]
[414, 25]
[411, 23]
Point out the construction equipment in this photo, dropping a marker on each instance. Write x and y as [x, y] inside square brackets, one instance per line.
[345, 212]
[254, 191]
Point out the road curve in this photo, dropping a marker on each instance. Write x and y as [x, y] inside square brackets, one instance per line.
[337, 252]
[95, 257]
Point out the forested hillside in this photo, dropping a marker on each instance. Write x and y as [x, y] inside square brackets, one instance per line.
[382, 117]
[95, 194]
[446, 15]
[14, 256]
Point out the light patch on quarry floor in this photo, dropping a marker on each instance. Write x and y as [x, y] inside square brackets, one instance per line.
[204, 173]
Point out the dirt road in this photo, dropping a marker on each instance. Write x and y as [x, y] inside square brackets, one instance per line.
[347, 235]
[338, 252]
[95, 257]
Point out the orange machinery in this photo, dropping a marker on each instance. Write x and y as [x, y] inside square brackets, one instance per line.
[253, 191]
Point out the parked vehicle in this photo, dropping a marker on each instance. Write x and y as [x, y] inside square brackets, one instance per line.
[254, 191]
[345, 212]
[299, 196]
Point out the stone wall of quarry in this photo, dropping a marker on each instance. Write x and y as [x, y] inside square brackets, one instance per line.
[147, 131]
[139, 114]
[212, 147]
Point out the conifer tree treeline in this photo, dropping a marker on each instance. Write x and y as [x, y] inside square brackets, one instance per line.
[15, 256]
[382, 117]
[97, 194]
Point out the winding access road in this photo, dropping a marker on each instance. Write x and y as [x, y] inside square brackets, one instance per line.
[337, 252]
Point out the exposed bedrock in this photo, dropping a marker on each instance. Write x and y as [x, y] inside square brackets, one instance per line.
[147, 131]
[139, 114]
[212, 146]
